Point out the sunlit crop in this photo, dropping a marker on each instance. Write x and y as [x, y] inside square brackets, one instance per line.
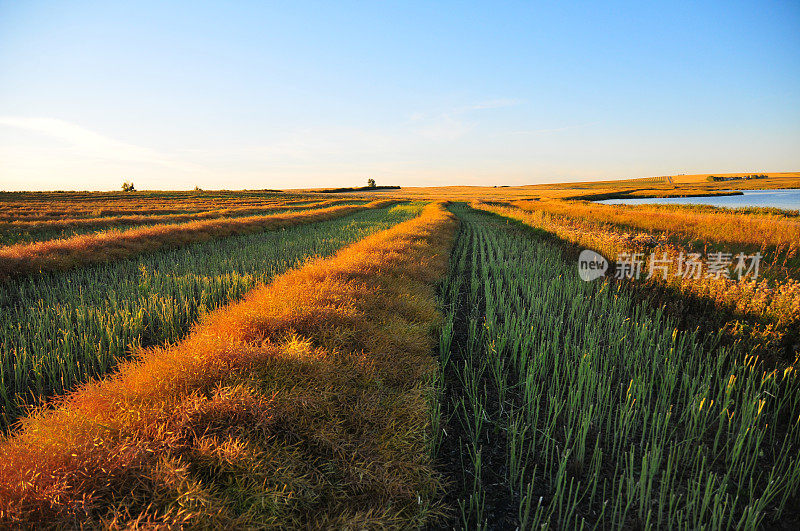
[297, 361]
[58, 255]
[60, 329]
[304, 404]
[27, 231]
[764, 312]
[575, 405]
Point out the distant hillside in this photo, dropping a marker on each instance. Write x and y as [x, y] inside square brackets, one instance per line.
[356, 189]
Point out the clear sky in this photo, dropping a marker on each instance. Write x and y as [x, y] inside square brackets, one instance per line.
[298, 94]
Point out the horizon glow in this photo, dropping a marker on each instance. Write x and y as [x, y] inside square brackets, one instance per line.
[173, 95]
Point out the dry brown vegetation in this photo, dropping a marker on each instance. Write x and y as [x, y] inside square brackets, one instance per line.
[157, 219]
[765, 313]
[43, 206]
[304, 405]
[31, 231]
[79, 250]
[764, 230]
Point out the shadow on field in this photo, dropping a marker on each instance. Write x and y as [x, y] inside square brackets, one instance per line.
[743, 333]
[481, 402]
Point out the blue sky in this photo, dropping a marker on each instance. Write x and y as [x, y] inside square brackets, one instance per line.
[300, 94]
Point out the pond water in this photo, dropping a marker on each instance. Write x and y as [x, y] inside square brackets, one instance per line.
[786, 199]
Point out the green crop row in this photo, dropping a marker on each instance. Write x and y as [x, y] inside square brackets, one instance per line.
[60, 329]
[566, 404]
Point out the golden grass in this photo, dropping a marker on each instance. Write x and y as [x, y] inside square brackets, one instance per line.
[38, 206]
[676, 185]
[156, 219]
[667, 186]
[766, 313]
[92, 248]
[304, 405]
[768, 229]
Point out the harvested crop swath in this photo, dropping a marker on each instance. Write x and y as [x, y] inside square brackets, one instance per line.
[107, 221]
[305, 404]
[765, 314]
[80, 250]
[571, 405]
[61, 329]
[710, 225]
[43, 206]
[31, 231]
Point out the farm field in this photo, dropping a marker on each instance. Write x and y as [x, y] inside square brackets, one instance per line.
[661, 186]
[304, 403]
[761, 310]
[72, 252]
[571, 404]
[400, 265]
[62, 329]
[16, 232]
[367, 360]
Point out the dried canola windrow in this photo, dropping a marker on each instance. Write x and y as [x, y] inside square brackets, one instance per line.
[26, 232]
[763, 313]
[87, 249]
[60, 330]
[144, 219]
[758, 227]
[38, 206]
[306, 404]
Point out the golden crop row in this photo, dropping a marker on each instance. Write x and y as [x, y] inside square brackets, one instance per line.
[710, 226]
[92, 248]
[135, 205]
[308, 399]
[770, 309]
[110, 221]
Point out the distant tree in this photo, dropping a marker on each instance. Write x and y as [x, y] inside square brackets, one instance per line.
[371, 183]
[128, 187]
[198, 189]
